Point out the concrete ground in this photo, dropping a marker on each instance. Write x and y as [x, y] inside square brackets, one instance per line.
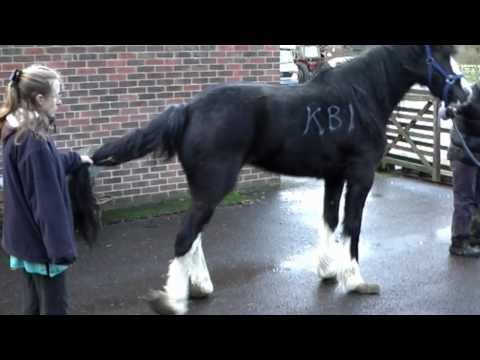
[262, 258]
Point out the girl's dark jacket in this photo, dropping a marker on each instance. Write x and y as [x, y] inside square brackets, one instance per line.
[38, 221]
[468, 122]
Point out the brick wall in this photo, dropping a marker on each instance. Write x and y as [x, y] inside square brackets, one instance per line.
[111, 89]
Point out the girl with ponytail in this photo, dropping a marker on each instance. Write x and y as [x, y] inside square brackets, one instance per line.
[38, 224]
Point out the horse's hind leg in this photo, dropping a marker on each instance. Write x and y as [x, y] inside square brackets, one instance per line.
[188, 270]
[188, 273]
[350, 277]
[199, 282]
[327, 260]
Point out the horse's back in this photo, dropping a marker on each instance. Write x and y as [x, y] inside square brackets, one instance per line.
[224, 121]
[264, 125]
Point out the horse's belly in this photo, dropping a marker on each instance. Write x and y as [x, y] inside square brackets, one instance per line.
[296, 166]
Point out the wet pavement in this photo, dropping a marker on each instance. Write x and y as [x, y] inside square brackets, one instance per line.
[261, 258]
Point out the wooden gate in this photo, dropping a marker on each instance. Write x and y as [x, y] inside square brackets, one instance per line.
[417, 140]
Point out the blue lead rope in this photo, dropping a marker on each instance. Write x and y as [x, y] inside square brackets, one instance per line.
[465, 146]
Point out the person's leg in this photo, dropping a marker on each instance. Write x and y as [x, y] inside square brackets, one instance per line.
[30, 303]
[475, 221]
[464, 201]
[53, 294]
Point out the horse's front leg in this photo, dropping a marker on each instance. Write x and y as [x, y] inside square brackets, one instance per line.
[327, 267]
[358, 188]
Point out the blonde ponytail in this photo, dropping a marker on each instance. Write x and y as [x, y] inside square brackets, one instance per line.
[20, 94]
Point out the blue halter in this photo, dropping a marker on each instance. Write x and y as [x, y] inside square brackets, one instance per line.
[450, 79]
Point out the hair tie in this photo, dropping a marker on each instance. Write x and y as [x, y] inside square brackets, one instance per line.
[15, 76]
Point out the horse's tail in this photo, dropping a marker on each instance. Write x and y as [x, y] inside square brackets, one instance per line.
[163, 135]
[84, 204]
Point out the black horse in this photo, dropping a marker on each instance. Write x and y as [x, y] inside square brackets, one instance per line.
[331, 128]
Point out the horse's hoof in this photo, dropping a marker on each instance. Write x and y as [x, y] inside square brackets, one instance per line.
[329, 280]
[326, 270]
[366, 289]
[162, 304]
[200, 287]
[199, 292]
[327, 276]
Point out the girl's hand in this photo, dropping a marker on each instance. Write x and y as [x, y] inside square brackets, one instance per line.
[86, 159]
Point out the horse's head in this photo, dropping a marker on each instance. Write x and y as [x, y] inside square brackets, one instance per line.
[436, 68]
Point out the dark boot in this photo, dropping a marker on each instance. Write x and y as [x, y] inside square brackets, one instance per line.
[475, 241]
[461, 246]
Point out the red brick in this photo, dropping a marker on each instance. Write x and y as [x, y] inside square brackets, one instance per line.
[223, 61]
[76, 64]
[34, 51]
[126, 70]
[192, 87]
[240, 73]
[272, 47]
[117, 77]
[119, 119]
[155, 62]
[149, 110]
[106, 70]
[111, 126]
[219, 54]
[128, 97]
[102, 134]
[257, 61]
[58, 64]
[129, 111]
[138, 118]
[96, 63]
[10, 67]
[116, 63]
[86, 71]
[88, 100]
[226, 47]
[127, 56]
[172, 61]
[90, 114]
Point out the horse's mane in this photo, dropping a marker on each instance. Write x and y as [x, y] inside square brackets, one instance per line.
[366, 77]
[353, 80]
[340, 78]
[375, 59]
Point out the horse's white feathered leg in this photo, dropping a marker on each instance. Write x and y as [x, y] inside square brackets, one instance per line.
[173, 300]
[349, 275]
[187, 275]
[200, 282]
[327, 257]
